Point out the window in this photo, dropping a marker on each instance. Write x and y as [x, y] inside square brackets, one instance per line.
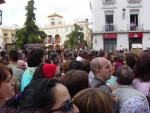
[134, 1]
[52, 19]
[52, 23]
[5, 34]
[82, 28]
[109, 1]
[59, 23]
[134, 21]
[109, 21]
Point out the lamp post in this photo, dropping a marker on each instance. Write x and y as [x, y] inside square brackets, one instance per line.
[0, 17]
[123, 12]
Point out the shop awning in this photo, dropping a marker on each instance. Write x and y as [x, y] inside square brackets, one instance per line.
[110, 35]
[135, 35]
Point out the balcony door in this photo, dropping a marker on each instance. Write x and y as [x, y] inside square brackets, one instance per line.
[109, 26]
[134, 19]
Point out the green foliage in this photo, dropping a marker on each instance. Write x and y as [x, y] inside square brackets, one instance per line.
[30, 33]
[75, 37]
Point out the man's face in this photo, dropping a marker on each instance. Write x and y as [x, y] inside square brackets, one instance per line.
[57, 59]
[106, 70]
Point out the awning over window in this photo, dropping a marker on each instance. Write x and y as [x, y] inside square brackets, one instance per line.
[136, 35]
[110, 35]
[2, 1]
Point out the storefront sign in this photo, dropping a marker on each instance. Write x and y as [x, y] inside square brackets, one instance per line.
[110, 35]
[136, 35]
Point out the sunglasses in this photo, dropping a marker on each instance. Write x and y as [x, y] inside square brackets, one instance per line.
[67, 107]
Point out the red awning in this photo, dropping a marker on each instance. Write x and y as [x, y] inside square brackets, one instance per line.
[136, 35]
[110, 35]
[2, 1]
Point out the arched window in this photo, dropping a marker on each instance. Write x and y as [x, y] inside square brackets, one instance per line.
[57, 38]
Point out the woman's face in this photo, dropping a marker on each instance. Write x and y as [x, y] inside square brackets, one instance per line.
[7, 88]
[63, 102]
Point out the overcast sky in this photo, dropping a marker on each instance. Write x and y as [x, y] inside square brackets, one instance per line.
[14, 10]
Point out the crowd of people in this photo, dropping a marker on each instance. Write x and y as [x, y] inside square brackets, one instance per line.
[69, 81]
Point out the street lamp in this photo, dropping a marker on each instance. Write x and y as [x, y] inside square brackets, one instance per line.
[0, 17]
[123, 11]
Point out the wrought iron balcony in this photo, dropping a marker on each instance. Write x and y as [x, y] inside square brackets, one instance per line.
[134, 1]
[109, 1]
[109, 28]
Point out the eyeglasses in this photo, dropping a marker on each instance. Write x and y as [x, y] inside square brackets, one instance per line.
[67, 107]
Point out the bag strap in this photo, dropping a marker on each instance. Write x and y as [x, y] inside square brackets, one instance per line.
[100, 84]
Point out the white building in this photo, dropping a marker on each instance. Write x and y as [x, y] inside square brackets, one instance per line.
[7, 35]
[120, 24]
[57, 30]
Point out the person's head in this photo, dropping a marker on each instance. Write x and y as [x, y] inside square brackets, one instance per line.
[46, 71]
[92, 100]
[131, 59]
[124, 75]
[35, 57]
[13, 55]
[75, 81]
[66, 65]
[142, 70]
[6, 84]
[70, 56]
[101, 67]
[75, 65]
[55, 57]
[45, 96]
[21, 64]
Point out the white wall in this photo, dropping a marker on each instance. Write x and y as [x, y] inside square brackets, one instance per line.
[1, 37]
[146, 41]
[122, 41]
[98, 42]
[97, 15]
[145, 17]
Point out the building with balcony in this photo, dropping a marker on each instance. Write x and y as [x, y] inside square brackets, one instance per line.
[57, 30]
[7, 35]
[120, 24]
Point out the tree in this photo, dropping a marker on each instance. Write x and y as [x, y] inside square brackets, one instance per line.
[30, 33]
[75, 37]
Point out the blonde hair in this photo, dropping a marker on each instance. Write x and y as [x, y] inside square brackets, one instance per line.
[92, 100]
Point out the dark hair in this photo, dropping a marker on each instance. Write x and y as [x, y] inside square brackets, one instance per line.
[4, 72]
[75, 65]
[14, 55]
[54, 55]
[35, 57]
[131, 59]
[124, 75]
[93, 100]
[38, 72]
[75, 81]
[142, 66]
[38, 95]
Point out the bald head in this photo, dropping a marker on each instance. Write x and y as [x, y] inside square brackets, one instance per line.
[21, 64]
[97, 63]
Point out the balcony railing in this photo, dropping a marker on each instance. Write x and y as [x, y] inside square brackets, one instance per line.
[135, 27]
[134, 1]
[109, 28]
[109, 1]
